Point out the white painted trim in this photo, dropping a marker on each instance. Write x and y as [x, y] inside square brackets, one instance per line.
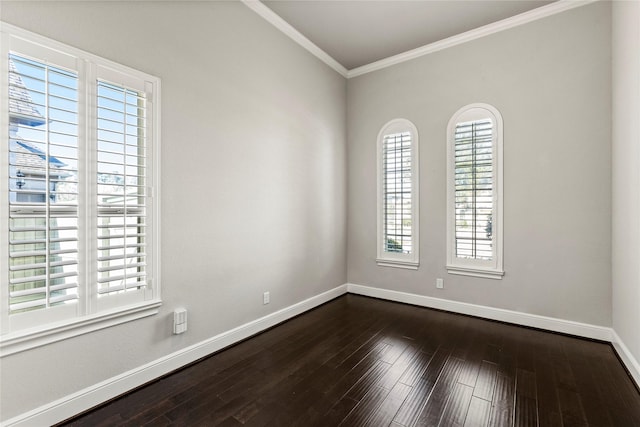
[89, 397]
[382, 262]
[275, 20]
[472, 272]
[631, 363]
[388, 259]
[50, 333]
[570, 327]
[492, 268]
[495, 27]
[11, 30]
[25, 331]
[522, 319]
[75, 403]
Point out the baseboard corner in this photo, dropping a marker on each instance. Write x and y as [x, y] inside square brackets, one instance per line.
[628, 359]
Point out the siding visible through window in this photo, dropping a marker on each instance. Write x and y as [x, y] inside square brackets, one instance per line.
[43, 185]
[79, 238]
[121, 172]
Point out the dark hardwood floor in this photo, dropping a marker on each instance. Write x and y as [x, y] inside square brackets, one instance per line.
[361, 361]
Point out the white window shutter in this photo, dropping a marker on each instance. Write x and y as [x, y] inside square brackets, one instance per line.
[122, 194]
[398, 203]
[43, 185]
[474, 192]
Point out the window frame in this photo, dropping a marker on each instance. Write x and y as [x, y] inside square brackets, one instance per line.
[388, 259]
[491, 269]
[41, 327]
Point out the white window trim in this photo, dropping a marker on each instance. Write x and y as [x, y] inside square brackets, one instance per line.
[37, 337]
[385, 259]
[492, 269]
[49, 332]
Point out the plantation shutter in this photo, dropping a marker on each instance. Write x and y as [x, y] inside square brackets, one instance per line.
[122, 194]
[397, 208]
[474, 189]
[43, 185]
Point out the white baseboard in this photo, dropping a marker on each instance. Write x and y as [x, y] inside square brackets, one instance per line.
[523, 319]
[73, 404]
[76, 403]
[509, 316]
[627, 358]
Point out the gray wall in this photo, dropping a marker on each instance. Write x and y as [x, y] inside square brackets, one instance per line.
[550, 79]
[253, 178]
[626, 174]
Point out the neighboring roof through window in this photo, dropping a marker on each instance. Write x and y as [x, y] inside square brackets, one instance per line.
[23, 111]
[21, 108]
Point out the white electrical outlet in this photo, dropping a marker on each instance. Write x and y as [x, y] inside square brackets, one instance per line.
[180, 321]
[439, 283]
[265, 298]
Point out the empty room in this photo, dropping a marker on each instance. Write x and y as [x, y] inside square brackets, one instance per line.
[320, 213]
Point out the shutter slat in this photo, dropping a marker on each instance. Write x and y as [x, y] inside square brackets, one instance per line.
[122, 267]
[121, 277]
[35, 291]
[118, 247]
[120, 236]
[125, 256]
[21, 280]
[121, 287]
[41, 265]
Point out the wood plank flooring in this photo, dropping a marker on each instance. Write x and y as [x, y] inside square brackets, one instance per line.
[358, 361]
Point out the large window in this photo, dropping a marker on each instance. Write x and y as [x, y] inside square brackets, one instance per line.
[474, 212]
[78, 176]
[398, 195]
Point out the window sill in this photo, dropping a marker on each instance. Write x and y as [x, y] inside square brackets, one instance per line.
[474, 272]
[31, 338]
[408, 265]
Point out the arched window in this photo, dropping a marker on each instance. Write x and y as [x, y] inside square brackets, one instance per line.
[474, 192]
[398, 195]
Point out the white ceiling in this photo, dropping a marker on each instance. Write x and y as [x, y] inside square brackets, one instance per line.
[359, 32]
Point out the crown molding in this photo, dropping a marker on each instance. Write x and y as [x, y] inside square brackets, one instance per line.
[294, 34]
[495, 27]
